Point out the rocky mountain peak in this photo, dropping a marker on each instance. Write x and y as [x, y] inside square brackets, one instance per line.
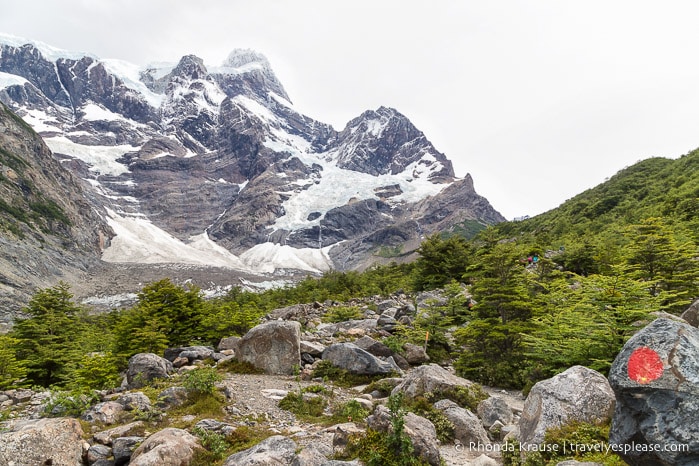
[240, 58]
[385, 141]
[248, 72]
[190, 67]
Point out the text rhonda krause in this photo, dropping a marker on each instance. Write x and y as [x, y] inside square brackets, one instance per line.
[574, 448]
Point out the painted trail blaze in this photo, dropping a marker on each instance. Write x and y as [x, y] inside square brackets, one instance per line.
[645, 365]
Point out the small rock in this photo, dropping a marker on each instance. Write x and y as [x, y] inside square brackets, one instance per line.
[98, 452]
[123, 448]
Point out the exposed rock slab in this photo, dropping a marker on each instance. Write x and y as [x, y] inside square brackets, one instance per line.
[578, 394]
[168, 447]
[45, 441]
[273, 347]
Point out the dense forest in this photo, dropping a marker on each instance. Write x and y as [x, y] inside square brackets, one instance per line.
[526, 300]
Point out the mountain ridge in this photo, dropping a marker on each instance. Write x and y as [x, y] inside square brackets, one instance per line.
[218, 163]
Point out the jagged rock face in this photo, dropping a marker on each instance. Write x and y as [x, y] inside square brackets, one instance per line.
[190, 151]
[49, 228]
[384, 141]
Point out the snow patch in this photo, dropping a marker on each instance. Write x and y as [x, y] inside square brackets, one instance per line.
[337, 186]
[268, 257]
[49, 52]
[101, 159]
[41, 122]
[94, 112]
[137, 240]
[130, 75]
[257, 109]
[7, 80]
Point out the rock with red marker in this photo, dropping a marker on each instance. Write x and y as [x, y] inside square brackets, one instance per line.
[655, 379]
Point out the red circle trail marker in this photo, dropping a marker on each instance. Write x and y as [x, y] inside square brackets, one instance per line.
[644, 365]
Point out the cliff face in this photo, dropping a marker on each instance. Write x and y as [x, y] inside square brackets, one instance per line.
[49, 228]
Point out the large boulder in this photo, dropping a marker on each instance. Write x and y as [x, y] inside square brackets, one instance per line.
[351, 358]
[273, 347]
[494, 409]
[273, 451]
[656, 381]
[578, 394]
[415, 354]
[430, 378]
[44, 441]
[168, 447]
[467, 427]
[421, 431]
[374, 347]
[145, 367]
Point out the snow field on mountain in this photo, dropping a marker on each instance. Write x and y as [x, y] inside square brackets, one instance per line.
[7, 80]
[138, 240]
[337, 186]
[101, 159]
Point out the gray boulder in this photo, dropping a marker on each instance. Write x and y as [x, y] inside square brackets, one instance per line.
[273, 347]
[312, 348]
[172, 397]
[350, 357]
[374, 347]
[342, 433]
[494, 409]
[106, 437]
[656, 381]
[193, 353]
[430, 378]
[123, 448]
[273, 451]
[331, 330]
[44, 441]
[228, 343]
[467, 426]
[145, 367]
[108, 412]
[386, 322]
[415, 354]
[578, 394]
[168, 447]
[421, 432]
[97, 453]
[134, 401]
[311, 456]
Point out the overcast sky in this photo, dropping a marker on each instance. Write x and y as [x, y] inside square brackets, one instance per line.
[538, 100]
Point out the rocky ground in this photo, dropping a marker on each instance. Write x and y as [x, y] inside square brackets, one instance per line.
[153, 419]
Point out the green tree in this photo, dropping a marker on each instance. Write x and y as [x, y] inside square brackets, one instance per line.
[165, 315]
[94, 371]
[492, 340]
[11, 370]
[587, 322]
[664, 259]
[48, 339]
[441, 261]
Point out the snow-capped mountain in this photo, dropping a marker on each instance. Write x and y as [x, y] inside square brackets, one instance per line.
[215, 166]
